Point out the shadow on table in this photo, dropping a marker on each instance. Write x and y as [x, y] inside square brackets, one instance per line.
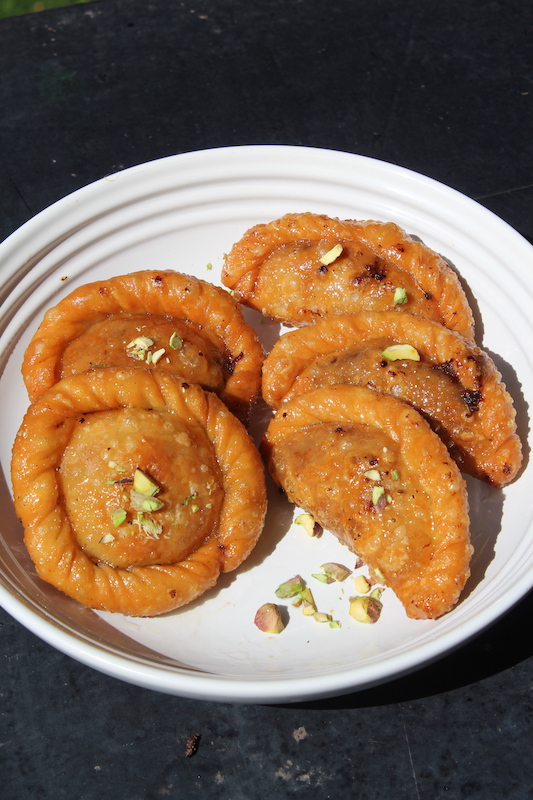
[505, 644]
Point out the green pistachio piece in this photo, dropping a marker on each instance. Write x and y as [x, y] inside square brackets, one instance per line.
[150, 527]
[290, 588]
[189, 498]
[157, 355]
[372, 474]
[308, 602]
[151, 504]
[401, 352]
[320, 616]
[377, 493]
[365, 609]
[320, 576]
[400, 296]
[118, 516]
[335, 572]
[361, 584]
[107, 538]
[143, 484]
[175, 341]
[395, 475]
[308, 524]
[332, 255]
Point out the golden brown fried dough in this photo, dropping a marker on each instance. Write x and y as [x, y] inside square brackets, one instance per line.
[278, 269]
[455, 384]
[159, 319]
[110, 543]
[371, 470]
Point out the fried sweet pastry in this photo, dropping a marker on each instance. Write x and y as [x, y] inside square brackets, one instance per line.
[370, 469]
[302, 267]
[455, 384]
[136, 489]
[159, 319]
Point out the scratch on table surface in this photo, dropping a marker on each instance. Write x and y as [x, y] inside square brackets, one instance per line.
[504, 191]
[410, 755]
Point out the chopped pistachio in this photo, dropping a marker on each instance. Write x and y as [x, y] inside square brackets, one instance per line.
[308, 524]
[151, 504]
[377, 493]
[376, 593]
[365, 609]
[335, 623]
[143, 484]
[137, 499]
[400, 296]
[290, 588]
[401, 352]
[157, 355]
[322, 577]
[150, 527]
[175, 341]
[194, 508]
[118, 516]
[335, 572]
[114, 465]
[308, 602]
[209, 266]
[268, 619]
[190, 497]
[107, 538]
[361, 584]
[395, 475]
[378, 574]
[332, 255]
[372, 474]
[320, 616]
[140, 343]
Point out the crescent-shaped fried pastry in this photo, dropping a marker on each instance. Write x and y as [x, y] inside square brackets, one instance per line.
[370, 469]
[302, 267]
[135, 489]
[454, 384]
[160, 319]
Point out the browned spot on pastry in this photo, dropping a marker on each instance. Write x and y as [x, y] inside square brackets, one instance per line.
[455, 384]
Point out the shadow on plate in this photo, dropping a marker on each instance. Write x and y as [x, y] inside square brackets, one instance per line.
[499, 648]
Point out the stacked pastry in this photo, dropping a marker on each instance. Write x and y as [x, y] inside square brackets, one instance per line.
[133, 474]
[381, 398]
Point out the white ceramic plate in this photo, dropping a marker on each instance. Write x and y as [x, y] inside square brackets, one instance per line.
[184, 213]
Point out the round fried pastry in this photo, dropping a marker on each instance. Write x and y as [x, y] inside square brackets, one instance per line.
[136, 489]
[163, 320]
[284, 270]
[455, 384]
[369, 468]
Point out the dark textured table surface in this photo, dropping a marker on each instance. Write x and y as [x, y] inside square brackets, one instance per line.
[445, 89]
